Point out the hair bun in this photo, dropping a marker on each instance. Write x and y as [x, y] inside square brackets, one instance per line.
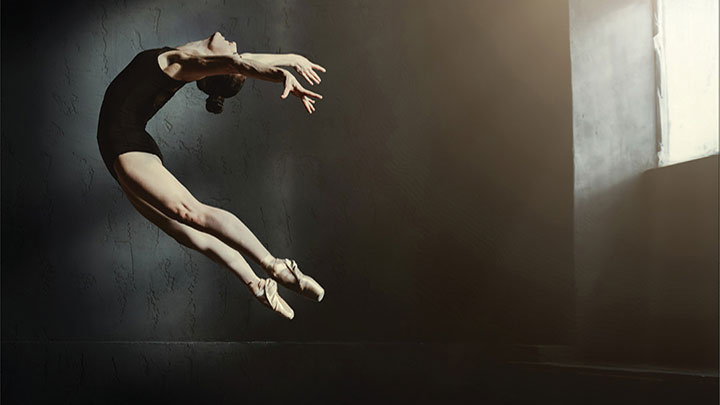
[214, 104]
[218, 88]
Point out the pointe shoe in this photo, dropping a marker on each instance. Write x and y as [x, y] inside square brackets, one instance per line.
[269, 297]
[287, 274]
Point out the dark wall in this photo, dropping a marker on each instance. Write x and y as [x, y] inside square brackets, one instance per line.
[431, 192]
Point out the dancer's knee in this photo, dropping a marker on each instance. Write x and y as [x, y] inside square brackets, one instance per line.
[194, 214]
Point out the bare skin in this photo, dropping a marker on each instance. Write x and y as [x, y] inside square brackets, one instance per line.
[215, 55]
[167, 203]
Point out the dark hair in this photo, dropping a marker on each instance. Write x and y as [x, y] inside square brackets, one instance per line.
[219, 88]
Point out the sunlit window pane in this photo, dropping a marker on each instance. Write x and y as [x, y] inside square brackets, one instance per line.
[688, 68]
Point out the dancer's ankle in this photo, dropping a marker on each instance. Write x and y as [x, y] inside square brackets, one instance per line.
[267, 261]
[257, 287]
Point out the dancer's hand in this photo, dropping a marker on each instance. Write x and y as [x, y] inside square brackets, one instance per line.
[294, 87]
[305, 68]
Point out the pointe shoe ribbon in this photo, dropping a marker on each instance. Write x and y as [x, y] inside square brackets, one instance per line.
[303, 284]
[270, 298]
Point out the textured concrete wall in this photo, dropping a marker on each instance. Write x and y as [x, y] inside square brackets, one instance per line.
[431, 175]
[623, 267]
[430, 193]
[614, 141]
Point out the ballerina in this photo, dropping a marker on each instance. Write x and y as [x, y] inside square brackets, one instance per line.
[135, 161]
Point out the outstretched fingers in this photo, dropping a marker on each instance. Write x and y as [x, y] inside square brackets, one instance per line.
[294, 87]
[285, 92]
[310, 75]
[311, 93]
[308, 102]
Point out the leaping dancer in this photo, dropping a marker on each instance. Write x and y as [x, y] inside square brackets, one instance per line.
[135, 161]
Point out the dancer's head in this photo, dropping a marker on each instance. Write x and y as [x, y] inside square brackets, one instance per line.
[218, 88]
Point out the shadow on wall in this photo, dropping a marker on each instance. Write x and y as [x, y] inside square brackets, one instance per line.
[682, 283]
[653, 298]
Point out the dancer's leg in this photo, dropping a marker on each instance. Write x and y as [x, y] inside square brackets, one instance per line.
[204, 243]
[145, 177]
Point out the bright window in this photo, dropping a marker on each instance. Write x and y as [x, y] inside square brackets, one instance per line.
[686, 44]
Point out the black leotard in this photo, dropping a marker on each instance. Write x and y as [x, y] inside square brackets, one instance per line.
[131, 99]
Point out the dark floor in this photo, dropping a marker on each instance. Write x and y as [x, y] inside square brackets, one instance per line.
[267, 372]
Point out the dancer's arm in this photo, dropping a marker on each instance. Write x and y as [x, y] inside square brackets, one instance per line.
[195, 67]
[292, 86]
[259, 70]
[273, 59]
[300, 63]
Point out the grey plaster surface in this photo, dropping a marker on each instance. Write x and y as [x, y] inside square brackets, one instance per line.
[430, 193]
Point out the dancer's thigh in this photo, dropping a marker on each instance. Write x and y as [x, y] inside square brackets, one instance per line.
[144, 175]
[183, 234]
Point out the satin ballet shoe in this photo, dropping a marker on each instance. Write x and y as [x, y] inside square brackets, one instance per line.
[269, 297]
[287, 274]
